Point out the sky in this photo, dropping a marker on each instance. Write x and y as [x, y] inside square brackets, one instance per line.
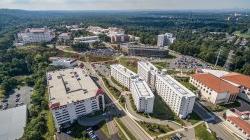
[124, 4]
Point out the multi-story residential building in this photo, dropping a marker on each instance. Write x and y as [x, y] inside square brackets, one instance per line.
[35, 35]
[214, 89]
[147, 71]
[72, 94]
[165, 39]
[241, 81]
[142, 95]
[180, 99]
[122, 75]
[64, 62]
[86, 39]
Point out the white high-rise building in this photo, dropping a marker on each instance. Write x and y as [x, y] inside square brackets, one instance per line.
[35, 35]
[122, 75]
[147, 71]
[142, 95]
[165, 39]
[176, 96]
[72, 94]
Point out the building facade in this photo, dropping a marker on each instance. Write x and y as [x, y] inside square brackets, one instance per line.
[165, 39]
[35, 35]
[241, 81]
[122, 75]
[142, 95]
[72, 94]
[147, 71]
[214, 89]
[176, 96]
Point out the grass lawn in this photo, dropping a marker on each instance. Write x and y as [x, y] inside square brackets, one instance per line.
[201, 133]
[218, 108]
[104, 129]
[162, 111]
[94, 58]
[161, 65]
[130, 63]
[155, 129]
[194, 118]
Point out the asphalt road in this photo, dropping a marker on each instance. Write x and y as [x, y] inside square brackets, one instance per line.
[126, 120]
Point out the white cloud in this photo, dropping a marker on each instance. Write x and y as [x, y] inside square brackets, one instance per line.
[122, 4]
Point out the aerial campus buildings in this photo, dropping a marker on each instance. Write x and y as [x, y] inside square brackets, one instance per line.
[72, 94]
[176, 96]
[35, 35]
[165, 39]
[141, 93]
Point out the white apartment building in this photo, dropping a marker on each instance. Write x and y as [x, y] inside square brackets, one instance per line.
[122, 75]
[214, 89]
[147, 71]
[35, 35]
[165, 39]
[176, 96]
[72, 94]
[64, 62]
[86, 39]
[142, 95]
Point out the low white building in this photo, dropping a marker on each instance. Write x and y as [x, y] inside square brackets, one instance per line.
[64, 37]
[142, 95]
[72, 94]
[86, 39]
[180, 99]
[64, 62]
[35, 35]
[214, 89]
[122, 75]
[147, 71]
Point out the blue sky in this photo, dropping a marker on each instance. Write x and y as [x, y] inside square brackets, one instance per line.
[123, 4]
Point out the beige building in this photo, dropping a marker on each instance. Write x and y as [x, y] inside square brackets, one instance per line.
[214, 89]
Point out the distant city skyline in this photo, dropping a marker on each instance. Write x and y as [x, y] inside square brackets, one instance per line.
[124, 4]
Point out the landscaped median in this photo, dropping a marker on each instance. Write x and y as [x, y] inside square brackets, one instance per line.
[124, 128]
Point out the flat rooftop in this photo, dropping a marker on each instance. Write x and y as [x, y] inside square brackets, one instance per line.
[149, 66]
[12, 123]
[123, 69]
[142, 88]
[70, 85]
[177, 86]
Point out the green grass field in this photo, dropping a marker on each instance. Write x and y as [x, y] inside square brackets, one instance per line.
[201, 133]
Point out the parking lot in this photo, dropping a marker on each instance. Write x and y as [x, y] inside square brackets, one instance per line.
[188, 62]
[103, 52]
[102, 69]
[20, 96]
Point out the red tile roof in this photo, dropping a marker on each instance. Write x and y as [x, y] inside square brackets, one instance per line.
[237, 78]
[240, 123]
[217, 84]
